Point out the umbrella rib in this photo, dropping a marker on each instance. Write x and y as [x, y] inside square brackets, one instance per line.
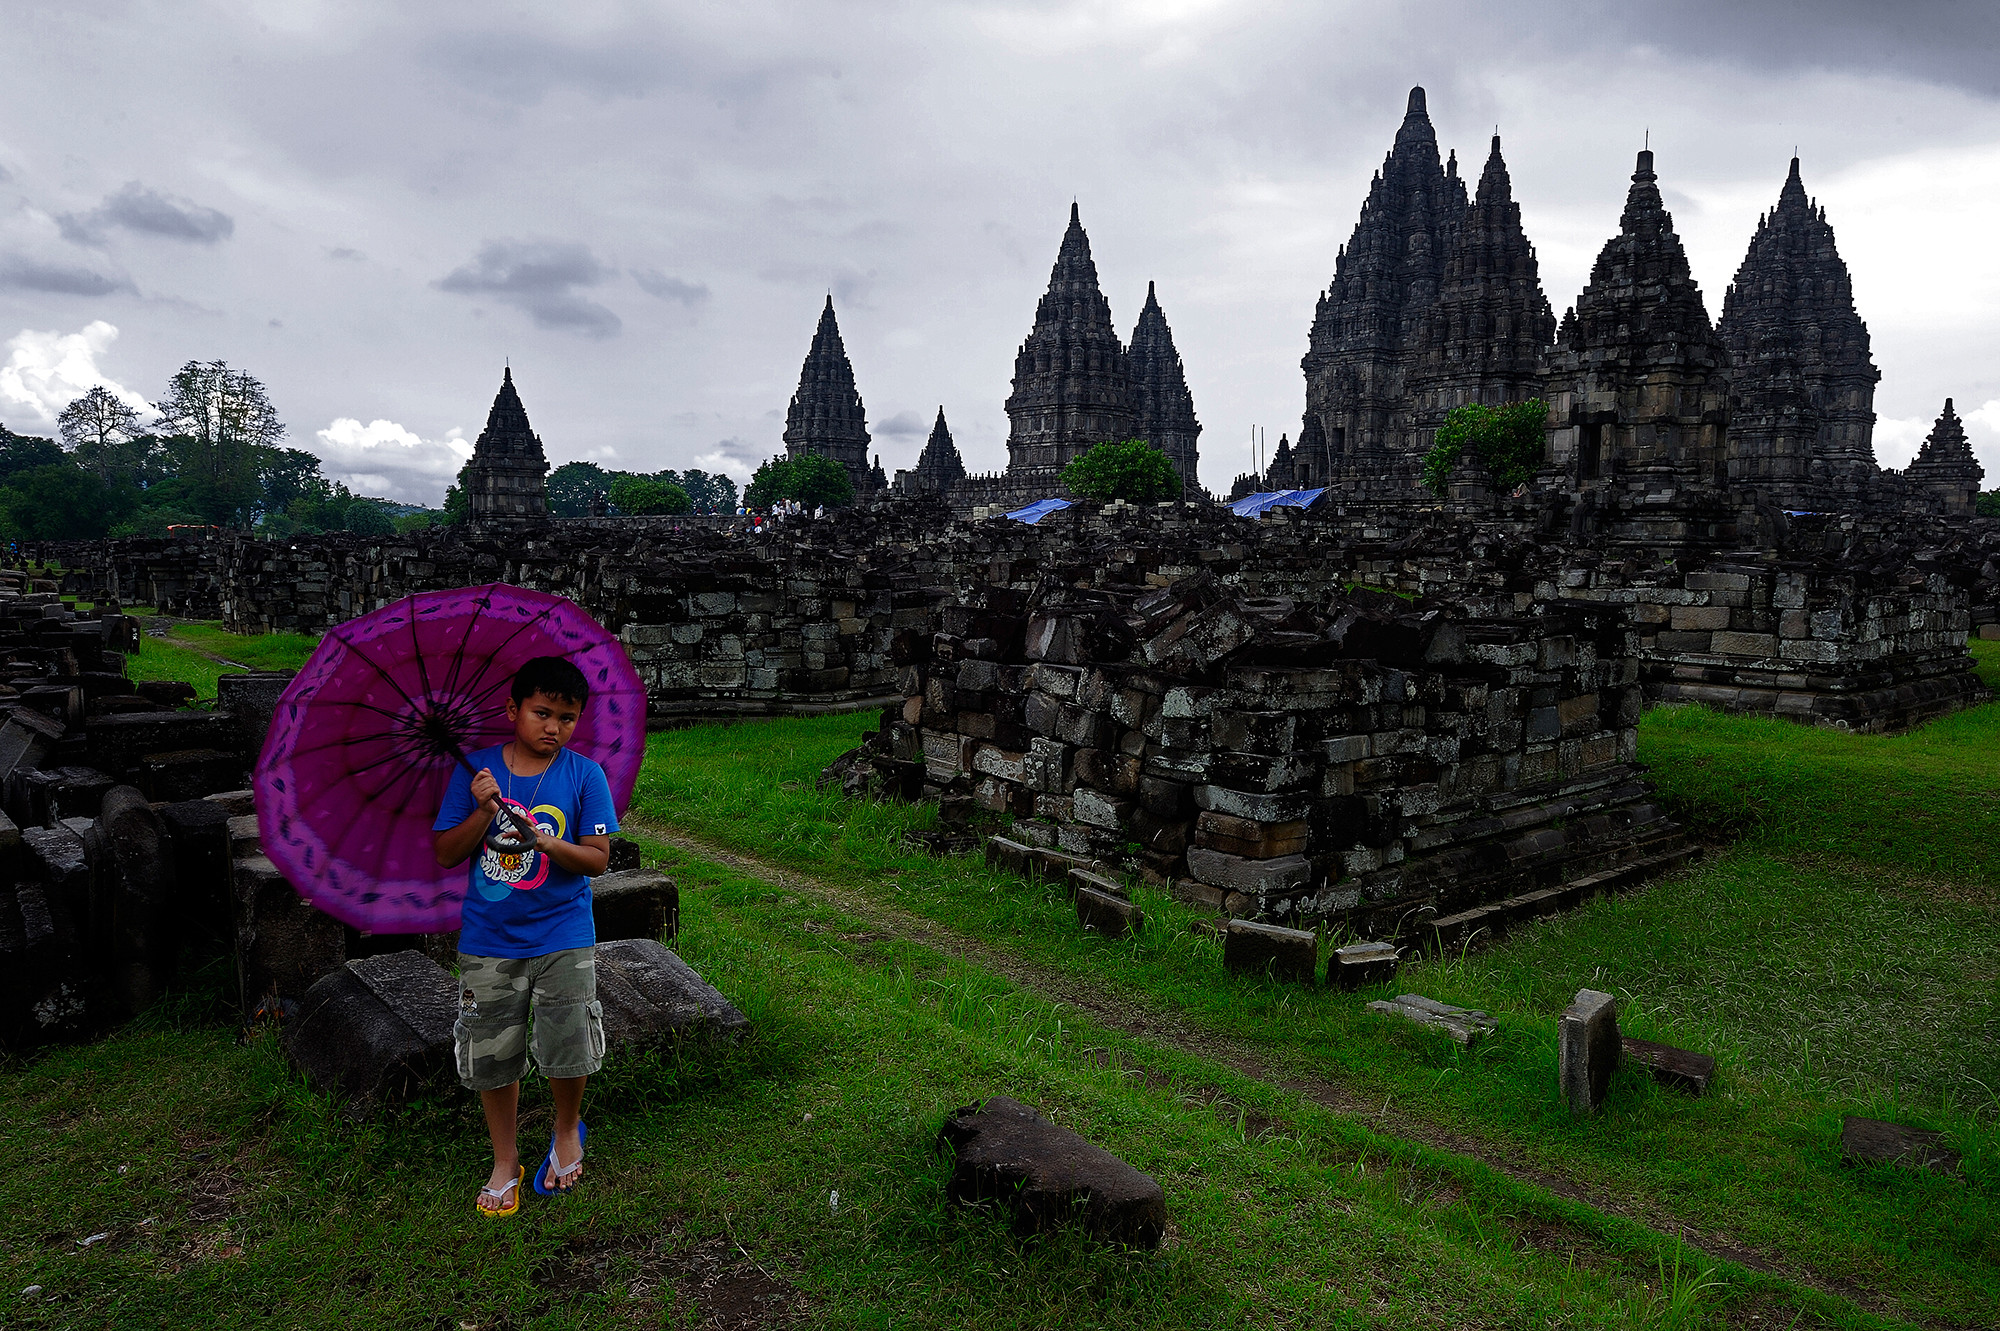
[372, 664]
[416, 648]
[479, 604]
[493, 656]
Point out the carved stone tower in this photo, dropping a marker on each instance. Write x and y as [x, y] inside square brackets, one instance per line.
[1486, 338]
[1802, 432]
[507, 478]
[1369, 321]
[1945, 469]
[1639, 387]
[826, 416]
[939, 466]
[1072, 382]
[1165, 407]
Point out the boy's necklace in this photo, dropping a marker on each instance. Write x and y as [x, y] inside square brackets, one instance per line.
[536, 793]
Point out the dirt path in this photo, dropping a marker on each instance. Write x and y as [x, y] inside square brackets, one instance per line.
[1160, 1024]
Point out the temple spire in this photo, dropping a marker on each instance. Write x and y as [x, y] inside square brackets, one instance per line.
[826, 416]
[506, 477]
[1166, 416]
[1072, 382]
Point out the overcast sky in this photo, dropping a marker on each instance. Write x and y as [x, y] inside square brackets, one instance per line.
[642, 206]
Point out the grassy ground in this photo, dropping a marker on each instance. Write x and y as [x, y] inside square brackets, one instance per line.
[1323, 1166]
[196, 653]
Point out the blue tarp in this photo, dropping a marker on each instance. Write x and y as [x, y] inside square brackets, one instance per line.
[1255, 506]
[1038, 510]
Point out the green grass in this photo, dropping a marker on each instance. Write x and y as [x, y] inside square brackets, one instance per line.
[197, 653]
[1834, 959]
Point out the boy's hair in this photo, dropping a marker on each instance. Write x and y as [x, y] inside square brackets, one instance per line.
[554, 676]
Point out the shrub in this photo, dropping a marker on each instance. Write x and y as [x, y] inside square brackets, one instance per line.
[1131, 469]
[366, 519]
[1508, 440]
[637, 496]
[812, 479]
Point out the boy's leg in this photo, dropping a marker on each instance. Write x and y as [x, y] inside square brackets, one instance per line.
[490, 1041]
[503, 1109]
[568, 1039]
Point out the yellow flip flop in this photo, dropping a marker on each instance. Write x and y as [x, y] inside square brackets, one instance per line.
[513, 1185]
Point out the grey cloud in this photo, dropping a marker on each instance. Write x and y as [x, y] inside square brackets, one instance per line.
[905, 423]
[345, 254]
[848, 282]
[20, 273]
[668, 287]
[540, 278]
[148, 212]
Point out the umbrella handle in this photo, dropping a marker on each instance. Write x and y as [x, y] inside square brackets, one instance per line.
[496, 835]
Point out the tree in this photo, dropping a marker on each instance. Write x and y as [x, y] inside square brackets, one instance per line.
[812, 479]
[96, 423]
[573, 485]
[290, 476]
[367, 517]
[1131, 469]
[1987, 504]
[59, 501]
[221, 428]
[642, 495]
[25, 452]
[457, 503]
[1509, 441]
[708, 493]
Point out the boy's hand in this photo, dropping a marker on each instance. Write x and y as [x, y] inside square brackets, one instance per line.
[486, 791]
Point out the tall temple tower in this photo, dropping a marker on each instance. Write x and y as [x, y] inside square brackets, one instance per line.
[1639, 386]
[1804, 420]
[1369, 321]
[1945, 469]
[1072, 380]
[939, 467]
[826, 416]
[1159, 385]
[1486, 337]
[507, 478]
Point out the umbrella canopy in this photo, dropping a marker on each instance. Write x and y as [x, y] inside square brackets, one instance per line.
[367, 735]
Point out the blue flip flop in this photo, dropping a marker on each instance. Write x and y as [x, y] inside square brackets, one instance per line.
[549, 1165]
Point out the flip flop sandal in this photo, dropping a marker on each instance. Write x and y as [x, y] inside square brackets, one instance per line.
[550, 1165]
[512, 1185]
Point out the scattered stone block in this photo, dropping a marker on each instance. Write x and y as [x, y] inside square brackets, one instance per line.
[1112, 916]
[57, 858]
[376, 1031]
[252, 696]
[27, 739]
[637, 903]
[186, 774]
[1080, 879]
[198, 836]
[652, 998]
[1872, 1141]
[1467, 1026]
[119, 744]
[145, 919]
[1195, 893]
[1669, 1066]
[1049, 1176]
[165, 694]
[1237, 873]
[624, 855]
[1588, 1048]
[237, 802]
[1005, 853]
[1270, 949]
[1361, 964]
[244, 838]
[1249, 838]
[283, 945]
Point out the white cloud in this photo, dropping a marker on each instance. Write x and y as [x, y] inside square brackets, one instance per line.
[46, 371]
[721, 460]
[1983, 430]
[387, 461]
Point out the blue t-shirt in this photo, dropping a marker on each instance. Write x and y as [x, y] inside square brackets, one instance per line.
[528, 905]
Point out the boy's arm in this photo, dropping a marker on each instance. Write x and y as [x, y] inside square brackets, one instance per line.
[588, 856]
[455, 845]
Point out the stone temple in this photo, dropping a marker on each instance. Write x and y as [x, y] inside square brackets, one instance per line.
[826, 416]
[506, 480]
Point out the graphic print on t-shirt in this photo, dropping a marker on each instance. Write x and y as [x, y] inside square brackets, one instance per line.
[501, 873]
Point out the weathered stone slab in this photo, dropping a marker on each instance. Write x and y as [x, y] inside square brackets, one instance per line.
[652, 998]
[27, 739]
[376, 1031]
[1467, 1026]
[118, 744]
[1269, 949]
[1003, 853]
[1237, 873]
[637, 903]
[1872, 1141]
[1679, 1068]
[236, 802]
[1360, 964]
[1249, 838]
[1588, 1049]
[46, 992]
[1048, 1176]
[1112, 916]
[283, 945]
[1080, 879]
[252, 696]
[198, 841]
[145, 918]
[186, 774]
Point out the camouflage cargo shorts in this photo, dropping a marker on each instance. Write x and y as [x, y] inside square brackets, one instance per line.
[492, 1038]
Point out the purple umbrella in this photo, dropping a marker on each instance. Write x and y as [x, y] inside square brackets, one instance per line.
[366, 737]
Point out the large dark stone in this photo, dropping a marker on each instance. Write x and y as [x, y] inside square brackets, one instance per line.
[27, 739]
[1872, 1141]
[1260, 949]
[283, 945]
[638, 903]
[1588, 1049]
[653, 998]
[1048, 1175]
[253, 697]
[145, 918]
[46, 992]
[198, 836]
[188, 774]
[376, 1031]
[119, 744]
[57, 858]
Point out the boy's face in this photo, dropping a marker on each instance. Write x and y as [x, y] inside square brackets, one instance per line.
[543, 723]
